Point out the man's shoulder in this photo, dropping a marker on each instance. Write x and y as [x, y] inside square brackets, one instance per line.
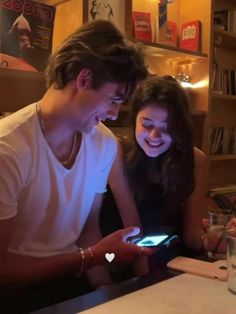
[101, 140]
[14, 122]
[102, 132]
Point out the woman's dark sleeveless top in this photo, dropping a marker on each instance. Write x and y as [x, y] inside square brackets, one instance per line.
[156, 217]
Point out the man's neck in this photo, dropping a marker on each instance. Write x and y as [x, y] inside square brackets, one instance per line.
[56, 115]
[57, 126]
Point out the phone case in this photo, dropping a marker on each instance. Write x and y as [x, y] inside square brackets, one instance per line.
[216, 270]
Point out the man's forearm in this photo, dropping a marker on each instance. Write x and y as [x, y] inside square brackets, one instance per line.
[17, 269]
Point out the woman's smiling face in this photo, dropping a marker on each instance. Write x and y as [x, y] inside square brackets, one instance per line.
[151, 130]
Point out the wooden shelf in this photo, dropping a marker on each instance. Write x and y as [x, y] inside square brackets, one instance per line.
[177, 54]
[51, 2]
[230, 1]
[223, 157]
[223, 96]
[198, 112]
[225, 39]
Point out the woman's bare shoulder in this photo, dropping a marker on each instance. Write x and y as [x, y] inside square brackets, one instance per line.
[199, 157]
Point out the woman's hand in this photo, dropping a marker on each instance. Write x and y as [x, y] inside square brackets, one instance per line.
[210, 241]
[116, 243]
[231, 225]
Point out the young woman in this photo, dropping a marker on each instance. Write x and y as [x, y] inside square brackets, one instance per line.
[166, 174]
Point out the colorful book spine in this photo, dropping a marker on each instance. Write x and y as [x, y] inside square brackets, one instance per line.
[190, 36]
[142, 26]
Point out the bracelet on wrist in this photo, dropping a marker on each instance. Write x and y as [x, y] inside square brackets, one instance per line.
[82, 259]
[91, 253]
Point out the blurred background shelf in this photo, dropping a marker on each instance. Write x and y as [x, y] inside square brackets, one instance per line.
[175, 53]
[222, 157]
[20, 88]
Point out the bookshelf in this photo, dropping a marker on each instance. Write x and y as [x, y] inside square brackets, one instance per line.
[226, 38]
[164, 59]
[223, 157]
[222, 94]
[223, 97]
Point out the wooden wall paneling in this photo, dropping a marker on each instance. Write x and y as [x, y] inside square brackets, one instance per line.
[20, 88]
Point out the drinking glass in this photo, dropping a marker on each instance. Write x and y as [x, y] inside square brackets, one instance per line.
[216, 233]
[231, 261]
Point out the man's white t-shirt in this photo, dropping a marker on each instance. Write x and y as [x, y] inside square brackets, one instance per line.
[50, 203]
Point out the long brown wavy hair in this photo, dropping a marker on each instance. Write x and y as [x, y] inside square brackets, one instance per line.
[176, 165]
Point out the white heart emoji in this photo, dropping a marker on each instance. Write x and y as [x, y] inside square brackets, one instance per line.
[109, 257]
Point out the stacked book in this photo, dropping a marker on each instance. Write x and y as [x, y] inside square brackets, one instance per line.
[224, 81]
[225, 20]
[222, 189]
[223, 140]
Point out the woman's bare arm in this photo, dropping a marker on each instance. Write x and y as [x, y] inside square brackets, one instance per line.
[195, 205]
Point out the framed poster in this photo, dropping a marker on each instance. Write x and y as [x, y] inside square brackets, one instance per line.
[116, 11]
[26, 30]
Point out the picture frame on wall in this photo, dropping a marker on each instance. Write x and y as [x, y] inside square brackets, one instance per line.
[116, 11]
[26, 37]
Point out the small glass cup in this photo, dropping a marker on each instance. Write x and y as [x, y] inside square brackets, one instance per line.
[231, 261]
[216, 233]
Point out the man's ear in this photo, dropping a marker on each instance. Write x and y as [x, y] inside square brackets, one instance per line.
[84, 79]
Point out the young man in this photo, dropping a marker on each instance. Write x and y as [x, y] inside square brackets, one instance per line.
[55, 158]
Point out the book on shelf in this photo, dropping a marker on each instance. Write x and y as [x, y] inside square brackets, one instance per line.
[221, 20]
[232, 21]
[222, 189]
[228, 133]
[25, 34]
[233, 82]
[229, 81]
[216, 140]
[190, 36]
[142, 29]
[232, 141]
[171, 34]
[161, 22]
[223, 140]
[216, 78]
[224, 80]
[225, 20]
[226, 89]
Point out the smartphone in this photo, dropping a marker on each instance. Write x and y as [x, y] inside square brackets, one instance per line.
[155, 240]
[216, 270]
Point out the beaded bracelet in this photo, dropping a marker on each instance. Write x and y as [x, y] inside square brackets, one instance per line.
[82, 255]
[91, 254]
